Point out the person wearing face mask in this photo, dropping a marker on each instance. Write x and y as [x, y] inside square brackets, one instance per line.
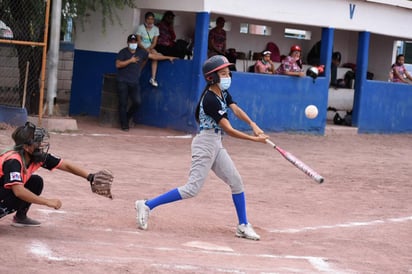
[129, 63]
[207, 148]
[292, 64]
[19, 186]
[265, 64]
[147, 36]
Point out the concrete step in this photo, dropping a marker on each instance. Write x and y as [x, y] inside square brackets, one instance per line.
[60, 124]
[332, 129]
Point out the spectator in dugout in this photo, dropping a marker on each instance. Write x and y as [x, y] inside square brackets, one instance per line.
[292, 64]
[217, 39]
[265, 64]
[399, 74]
[166, 42]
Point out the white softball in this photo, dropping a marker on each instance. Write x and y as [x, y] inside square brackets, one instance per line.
[311, 112]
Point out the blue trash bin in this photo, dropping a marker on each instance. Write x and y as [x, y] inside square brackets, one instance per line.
[15, 116]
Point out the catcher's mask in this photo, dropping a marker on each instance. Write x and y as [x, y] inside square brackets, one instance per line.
[29, 135]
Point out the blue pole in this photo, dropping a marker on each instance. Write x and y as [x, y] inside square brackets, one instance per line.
[199, 57]
[360, 74]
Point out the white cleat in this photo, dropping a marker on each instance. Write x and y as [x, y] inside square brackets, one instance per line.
[247, 232]
[142, 215]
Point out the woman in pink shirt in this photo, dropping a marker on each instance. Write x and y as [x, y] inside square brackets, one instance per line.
[399, 72]
[265, 65]
[292, 64]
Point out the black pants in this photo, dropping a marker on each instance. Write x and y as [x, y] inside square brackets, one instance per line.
[10, 203]
[175, 51]
[125, 91]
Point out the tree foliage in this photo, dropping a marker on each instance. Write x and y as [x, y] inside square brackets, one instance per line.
[26, 18]
[80, 9]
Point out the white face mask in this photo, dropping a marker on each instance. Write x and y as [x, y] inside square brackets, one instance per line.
[133, 46]
[225, 83]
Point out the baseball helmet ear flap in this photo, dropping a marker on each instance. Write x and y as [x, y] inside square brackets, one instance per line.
[212, 66]
[213, 78]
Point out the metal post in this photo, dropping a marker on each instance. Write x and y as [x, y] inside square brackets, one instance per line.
[53, 55]
[43, 65]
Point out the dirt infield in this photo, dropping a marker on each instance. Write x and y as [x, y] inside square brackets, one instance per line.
[358, 221]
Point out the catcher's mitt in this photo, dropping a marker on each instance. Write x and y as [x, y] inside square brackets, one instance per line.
[101, 182]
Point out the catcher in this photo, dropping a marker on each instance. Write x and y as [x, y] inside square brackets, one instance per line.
[19, 187]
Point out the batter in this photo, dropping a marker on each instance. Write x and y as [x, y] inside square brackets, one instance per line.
[208, 152]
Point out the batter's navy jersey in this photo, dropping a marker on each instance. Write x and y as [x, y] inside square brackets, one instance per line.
[213, 108]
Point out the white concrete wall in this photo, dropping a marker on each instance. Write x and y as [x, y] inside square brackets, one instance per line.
[311, 14]
[111, 39]
[367, 16]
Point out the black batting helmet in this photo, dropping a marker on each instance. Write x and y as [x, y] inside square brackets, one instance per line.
[212, 66]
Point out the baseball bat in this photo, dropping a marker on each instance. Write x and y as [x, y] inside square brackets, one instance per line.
[297, 163]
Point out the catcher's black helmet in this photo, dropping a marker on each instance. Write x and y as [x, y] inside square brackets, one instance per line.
[30, 134]
[212, 65]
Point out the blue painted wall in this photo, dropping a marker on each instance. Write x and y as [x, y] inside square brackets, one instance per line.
[88, 70]
[276, 103]
[171, 104]
[386, 108]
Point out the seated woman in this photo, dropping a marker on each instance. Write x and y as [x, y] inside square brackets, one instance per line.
[166, 43]
[399, 73]
[265, 64]
[147, 35]
[292, 64]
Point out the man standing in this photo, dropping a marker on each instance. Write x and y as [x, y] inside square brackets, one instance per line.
[129, 63]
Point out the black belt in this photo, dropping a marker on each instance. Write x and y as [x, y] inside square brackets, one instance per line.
[216, 130]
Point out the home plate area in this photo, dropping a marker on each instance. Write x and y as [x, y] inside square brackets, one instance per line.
[63, 244]
[189, 257]
[358, 221]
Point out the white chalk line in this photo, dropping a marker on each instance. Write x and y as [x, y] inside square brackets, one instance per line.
[42, 250]
[344, 225]
[185, 136]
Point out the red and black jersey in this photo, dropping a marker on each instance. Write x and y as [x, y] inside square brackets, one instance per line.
[13, 171]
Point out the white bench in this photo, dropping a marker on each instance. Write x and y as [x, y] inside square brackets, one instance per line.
[340, 99]
[341, 72]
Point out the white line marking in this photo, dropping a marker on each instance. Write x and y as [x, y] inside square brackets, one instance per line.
[345, 225]
[49, 211]
[42, 250]
[186, 136]
[208, 246]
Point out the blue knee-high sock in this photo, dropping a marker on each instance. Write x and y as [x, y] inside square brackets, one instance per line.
[168, 197]
[240, 204]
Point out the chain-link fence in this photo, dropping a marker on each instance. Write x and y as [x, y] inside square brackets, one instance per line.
[22, 52]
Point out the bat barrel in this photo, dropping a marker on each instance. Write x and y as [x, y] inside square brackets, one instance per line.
[297, 163]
